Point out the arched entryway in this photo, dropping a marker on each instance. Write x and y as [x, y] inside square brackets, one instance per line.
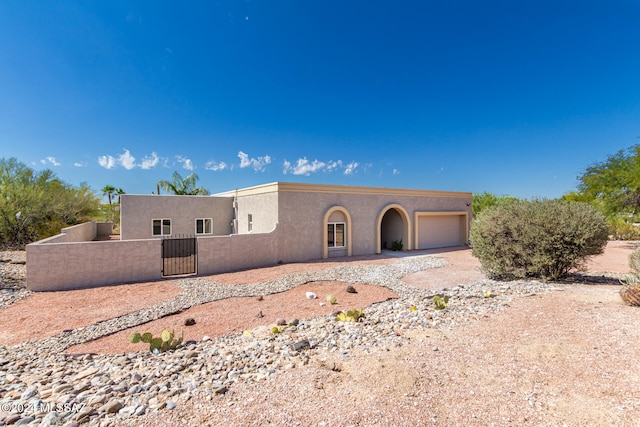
[393, 226]
[336, 232]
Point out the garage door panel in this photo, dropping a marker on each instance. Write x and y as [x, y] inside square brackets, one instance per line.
[439, 231]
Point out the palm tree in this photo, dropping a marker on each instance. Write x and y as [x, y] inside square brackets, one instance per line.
[182, 186]
[109, 191]
[119, 192]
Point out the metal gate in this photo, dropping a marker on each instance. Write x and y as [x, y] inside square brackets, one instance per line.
[179, 256]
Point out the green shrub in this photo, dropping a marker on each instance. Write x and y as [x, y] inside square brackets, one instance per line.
[396, 245]
[538, 238]
[620, 229]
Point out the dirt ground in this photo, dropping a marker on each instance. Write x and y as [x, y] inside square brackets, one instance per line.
[562, 358]
[32, 318]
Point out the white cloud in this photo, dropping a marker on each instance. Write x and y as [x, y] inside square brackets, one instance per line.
[150, 161]
[257, 164]
[215, 166]
[396, 172]
[51, 160]
[305, 167]
[351, 168]
[107, 162]
[79, 164]
[186, 163]
[331, 166]
[126, 160]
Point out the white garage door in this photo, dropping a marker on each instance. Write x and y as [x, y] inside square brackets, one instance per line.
[440, 231]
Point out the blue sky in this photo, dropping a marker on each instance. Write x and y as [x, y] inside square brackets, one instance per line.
[511, 97]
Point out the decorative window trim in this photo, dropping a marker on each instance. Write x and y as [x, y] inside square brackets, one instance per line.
[332, 240]
[163, 222]
[348, 223]
[204, 226]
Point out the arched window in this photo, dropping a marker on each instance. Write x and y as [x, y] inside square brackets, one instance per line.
[336, 231]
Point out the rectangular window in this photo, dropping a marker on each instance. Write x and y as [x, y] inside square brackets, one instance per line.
[204, 226]
[336, 235]
[162, 227]
[250, 222]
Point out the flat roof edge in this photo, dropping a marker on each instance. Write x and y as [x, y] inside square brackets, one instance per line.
[340, 189]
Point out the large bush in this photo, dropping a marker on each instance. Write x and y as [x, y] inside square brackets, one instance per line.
[537, 238]
[36, 204]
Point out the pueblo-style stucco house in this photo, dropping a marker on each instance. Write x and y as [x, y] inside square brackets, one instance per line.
[165, 235]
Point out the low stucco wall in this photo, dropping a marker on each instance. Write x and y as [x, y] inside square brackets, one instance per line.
[84, 232]
[54, 266]
[63, 266]
[219, 254]
[104, 228]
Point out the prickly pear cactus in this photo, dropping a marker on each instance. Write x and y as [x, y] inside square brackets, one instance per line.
[164, 342]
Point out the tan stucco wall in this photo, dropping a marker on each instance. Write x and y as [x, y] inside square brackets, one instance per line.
[262, 207]
[302, 208]
[84, 232]
[138, 211]
[220, 254]
[62, 266]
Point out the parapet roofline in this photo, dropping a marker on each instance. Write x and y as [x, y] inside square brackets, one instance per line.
[339, 189]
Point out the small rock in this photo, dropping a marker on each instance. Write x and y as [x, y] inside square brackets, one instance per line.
[300, 345]
[11, 419]
[85, 373]
[127, 410]
[24, 421]
[221, 390]
[351, 290]
[170, 405]
[140, 410]
[281, 322]
[29, 393]
[189, 321]
[259, 298]
[260, 315]
[311, 295]
[98, 399]
[294, 322]
[111, 407]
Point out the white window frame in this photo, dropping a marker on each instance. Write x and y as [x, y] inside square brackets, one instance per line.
[250, 223]
[335, 235]
[204, 228]
[162, 225]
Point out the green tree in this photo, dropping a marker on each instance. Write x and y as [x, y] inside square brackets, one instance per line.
[484, 200]
[34, 205]
[182, 186]
[613, 185]
[119, 192]
[109, 191]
